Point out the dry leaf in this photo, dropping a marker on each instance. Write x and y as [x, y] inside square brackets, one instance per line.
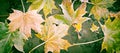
[53, 35]
[25, 22]
[94, 28]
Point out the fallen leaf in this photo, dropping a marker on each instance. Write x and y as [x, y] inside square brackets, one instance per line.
[25, 22]
[53, 35]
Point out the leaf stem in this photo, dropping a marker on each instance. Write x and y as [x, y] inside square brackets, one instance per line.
[40, 44]
[8, 38]
[88, 42]
[23, 6]
[37, 46]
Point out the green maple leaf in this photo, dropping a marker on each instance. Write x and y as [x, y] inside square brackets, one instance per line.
[46, 5]
[8, 40]
[5, 39]
[111, 31]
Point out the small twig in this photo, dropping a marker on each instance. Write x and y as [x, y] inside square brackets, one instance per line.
[37, 46]
[87, 42]
[8, 38]
[23, 6]
[40, 44]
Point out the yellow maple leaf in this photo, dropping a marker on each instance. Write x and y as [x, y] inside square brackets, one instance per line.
[81, 10]
[78, 17]
[78, 23]
[25, 22]
[94, 28]
[68, 6]
[75, 17]
[53, 35]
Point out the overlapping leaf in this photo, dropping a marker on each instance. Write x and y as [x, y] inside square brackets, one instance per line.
[74, 17]
[46, 5]
[5, 39]
[53, 35]
[100, 8]
[111, 31]
[25, 22]
[99, 12]
[8, 39]
[18, 41]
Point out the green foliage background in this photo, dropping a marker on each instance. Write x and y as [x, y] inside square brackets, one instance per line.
[87, 35]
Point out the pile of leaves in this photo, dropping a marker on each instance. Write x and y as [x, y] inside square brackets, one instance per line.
[60, 26]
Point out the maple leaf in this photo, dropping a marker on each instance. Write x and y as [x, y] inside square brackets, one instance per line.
[53, 35]
[46, 5]
[67, 8]
[78, 17]
[99, 12]
[25, 22]
[74, 17]
[94, 28]
[108, 40]
[111, 31]
[100, 8]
